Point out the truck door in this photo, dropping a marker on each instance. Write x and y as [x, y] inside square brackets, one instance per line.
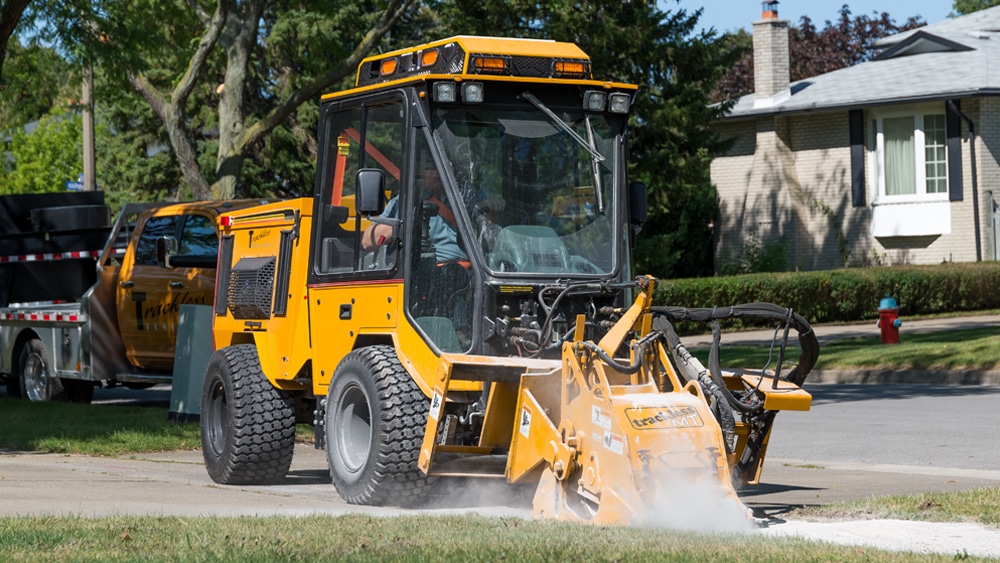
[150, 294]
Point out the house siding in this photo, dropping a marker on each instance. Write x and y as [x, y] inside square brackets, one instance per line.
[788, 178]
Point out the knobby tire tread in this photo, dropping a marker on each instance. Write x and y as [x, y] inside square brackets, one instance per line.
[262, 430]
[402, 420]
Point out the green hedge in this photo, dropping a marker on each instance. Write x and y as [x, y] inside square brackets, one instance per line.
[848, 294]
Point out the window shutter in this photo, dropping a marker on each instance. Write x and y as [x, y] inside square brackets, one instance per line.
[953, 130]
[857, 124]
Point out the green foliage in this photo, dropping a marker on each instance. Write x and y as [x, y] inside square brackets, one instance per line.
[757, 257]
[45, 159]
[35, 81]
[961, 7]
[848, 294]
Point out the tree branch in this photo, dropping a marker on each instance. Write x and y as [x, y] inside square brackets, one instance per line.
[186, 84]
[393, 12]
[10, 14]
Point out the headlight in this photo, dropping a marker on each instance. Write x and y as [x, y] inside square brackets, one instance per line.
[619, 103]
[593, 100]
[472, 92]
[444, 91]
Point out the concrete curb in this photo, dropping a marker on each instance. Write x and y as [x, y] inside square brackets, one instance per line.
[916, 376]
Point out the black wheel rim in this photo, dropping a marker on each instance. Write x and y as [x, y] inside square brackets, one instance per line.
[217, 423]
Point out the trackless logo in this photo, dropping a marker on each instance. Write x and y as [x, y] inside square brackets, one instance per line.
[174, 306]
[257, 237]
[649, 418]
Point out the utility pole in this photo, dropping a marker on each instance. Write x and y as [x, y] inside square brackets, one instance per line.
[89, 181]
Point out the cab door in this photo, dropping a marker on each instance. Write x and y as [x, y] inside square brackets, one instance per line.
[150, 294]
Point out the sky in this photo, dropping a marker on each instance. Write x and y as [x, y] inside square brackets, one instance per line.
[730, 15]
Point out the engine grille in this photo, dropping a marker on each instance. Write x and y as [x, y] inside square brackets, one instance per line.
[251, 287]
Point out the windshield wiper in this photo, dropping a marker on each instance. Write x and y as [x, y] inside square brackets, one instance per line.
[596, 157]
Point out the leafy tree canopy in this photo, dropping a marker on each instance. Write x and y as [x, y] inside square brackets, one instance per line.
[221, 96]
[960, 7]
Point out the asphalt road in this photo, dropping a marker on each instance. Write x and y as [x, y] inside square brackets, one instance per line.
[864, 440]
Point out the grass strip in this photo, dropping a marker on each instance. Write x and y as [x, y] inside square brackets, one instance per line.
[975, 505]
[956, 350]
[99, 430]
[467, 538]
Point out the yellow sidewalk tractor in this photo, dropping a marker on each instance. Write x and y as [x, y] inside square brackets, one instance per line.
[456, 299]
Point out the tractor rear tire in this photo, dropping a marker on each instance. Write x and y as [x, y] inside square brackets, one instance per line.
[247, 425]
[375, 420]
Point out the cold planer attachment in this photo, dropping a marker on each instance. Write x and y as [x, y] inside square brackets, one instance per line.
[621, 440]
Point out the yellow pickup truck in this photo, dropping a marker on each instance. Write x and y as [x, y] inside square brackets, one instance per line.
[57, 345]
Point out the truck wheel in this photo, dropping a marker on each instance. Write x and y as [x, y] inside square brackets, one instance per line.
[375, 421]
[35, 377]
[247, 425]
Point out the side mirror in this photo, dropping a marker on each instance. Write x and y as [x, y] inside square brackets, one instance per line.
[165, 248]
[370, 192]
[637, 205]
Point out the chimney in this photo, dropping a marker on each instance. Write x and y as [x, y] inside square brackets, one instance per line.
[770, 56]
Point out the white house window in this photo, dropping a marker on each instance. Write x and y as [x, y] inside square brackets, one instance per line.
[908, 172]
[908, 156]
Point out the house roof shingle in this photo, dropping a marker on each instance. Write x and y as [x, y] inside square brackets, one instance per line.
[956, 58]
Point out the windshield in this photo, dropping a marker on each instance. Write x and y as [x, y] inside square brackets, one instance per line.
[539, 198]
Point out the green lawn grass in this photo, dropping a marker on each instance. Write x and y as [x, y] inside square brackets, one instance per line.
[100, 430]
[466, 538]
[960, 349]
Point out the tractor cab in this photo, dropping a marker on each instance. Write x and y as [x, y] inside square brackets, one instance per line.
[486, 176]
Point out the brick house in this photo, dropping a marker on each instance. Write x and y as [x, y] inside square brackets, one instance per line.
[892, 161]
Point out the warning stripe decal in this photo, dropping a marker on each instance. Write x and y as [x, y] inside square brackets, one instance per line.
[52, 256]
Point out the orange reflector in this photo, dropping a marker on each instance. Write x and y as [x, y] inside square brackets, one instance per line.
[571, 68]
[575, 69]
[388, 67]
[429, 58]
[489, 64]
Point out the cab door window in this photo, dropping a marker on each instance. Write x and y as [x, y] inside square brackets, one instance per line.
[198, 246]
[365, 137]
[155, 228]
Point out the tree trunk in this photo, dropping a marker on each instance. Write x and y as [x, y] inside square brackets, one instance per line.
[238, 40]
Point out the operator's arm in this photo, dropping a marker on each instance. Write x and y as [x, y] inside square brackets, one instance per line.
[378, 234]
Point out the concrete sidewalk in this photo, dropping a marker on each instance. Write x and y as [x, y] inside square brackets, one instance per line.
[831, 332]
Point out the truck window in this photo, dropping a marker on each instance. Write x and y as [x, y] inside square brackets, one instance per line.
[198, 239]
[357, 138]
[155, 227]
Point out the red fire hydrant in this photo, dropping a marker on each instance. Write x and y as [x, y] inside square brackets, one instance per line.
[888, 320]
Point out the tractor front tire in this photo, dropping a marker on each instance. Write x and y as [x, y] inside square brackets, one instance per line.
[247, 425]
[375, 420]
